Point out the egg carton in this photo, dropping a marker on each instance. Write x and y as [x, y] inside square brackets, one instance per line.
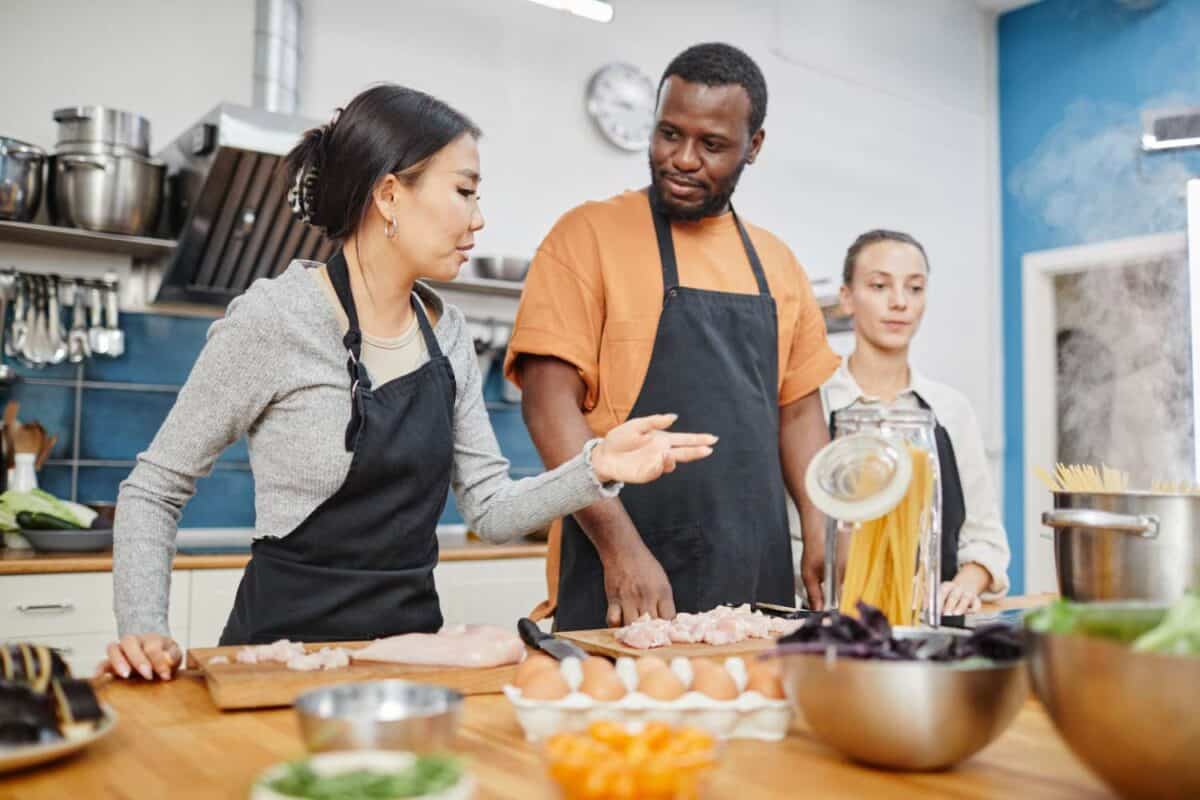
[750, 715]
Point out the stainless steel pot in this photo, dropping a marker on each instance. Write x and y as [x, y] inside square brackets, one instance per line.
[81, 125]
[1125, 545]
[20, 179]
[112, 194]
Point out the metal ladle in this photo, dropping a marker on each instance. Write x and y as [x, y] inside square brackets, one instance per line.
[77, 339]
[8, 281]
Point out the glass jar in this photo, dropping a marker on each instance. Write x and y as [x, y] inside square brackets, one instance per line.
[879, 484]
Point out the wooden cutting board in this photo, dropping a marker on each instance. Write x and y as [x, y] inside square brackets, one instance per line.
[602, 642]
[269, 685]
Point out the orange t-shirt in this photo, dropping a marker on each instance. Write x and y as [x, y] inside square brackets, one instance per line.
[594, 294]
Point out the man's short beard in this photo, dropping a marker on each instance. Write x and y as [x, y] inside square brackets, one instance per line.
[713, 204]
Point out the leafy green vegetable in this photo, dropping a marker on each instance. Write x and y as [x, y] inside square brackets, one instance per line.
[1179, 633]
[1150, 630]
[428, 774]
[1122, 624]
[37, 501]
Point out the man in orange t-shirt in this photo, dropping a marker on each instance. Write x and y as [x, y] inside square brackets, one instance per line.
[663, 301]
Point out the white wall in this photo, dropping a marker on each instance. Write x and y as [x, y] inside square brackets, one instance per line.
[167, 59]
[880, 114]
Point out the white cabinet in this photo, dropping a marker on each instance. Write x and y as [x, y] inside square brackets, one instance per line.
[74, 611]
[213, 591]
[492, 592]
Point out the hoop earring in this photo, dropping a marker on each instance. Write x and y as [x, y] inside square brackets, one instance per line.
[389, 230]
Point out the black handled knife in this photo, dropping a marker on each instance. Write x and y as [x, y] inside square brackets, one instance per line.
[548, 643]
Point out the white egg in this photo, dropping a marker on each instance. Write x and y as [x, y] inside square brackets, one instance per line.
[572, 672]
[683, 670]
[737, 670]
[627, 672]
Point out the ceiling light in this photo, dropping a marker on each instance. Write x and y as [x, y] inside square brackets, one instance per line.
[595, 10]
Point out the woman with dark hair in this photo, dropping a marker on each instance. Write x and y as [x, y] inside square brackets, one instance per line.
[883, 289]
[351, 471]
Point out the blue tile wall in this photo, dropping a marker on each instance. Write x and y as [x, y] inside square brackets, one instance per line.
[124, 401]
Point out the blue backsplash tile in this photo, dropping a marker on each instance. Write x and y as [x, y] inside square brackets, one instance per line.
[55, 480]
[514, 438]
[225, 499]
[158, 349]
[53, 407]
[117, 424]
[65, 371]
[450, 515]
[99, 484]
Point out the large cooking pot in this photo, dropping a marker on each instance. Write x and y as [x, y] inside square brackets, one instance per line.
[81, 126]
[1125, 545]
[20, 179]
[108, 193]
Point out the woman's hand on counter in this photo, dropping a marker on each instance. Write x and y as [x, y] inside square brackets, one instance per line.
[962, 595]
[148, 654]
[641, 450]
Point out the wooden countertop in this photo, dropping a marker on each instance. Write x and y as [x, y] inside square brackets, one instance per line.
[172, 742]
[454, 547]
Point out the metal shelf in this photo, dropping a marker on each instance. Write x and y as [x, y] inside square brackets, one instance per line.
[481, 286]
[141, 247]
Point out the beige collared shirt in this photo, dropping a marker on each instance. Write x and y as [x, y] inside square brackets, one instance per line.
[982, 539]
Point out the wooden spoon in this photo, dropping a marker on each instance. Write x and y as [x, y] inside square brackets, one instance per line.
[47, 447]
[30, 437]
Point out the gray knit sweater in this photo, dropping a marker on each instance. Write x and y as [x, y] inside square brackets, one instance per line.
[274, 369]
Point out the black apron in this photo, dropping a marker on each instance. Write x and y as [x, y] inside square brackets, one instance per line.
[361, 565]
[718, 526]
[954, 507]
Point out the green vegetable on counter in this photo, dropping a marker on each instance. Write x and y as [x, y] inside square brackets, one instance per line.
[38, 502]
[428, 774]
[39, 521]
[1179, 633]
[1152, 630]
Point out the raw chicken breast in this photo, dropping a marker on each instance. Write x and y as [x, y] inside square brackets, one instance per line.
[455, 646]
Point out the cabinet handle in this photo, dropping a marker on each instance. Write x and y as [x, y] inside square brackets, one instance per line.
[46, 608]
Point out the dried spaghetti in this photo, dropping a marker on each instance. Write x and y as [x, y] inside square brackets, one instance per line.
[882, 559]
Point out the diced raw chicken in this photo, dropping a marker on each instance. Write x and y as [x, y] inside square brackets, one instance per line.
[454, 646]
[719, 626]
[293, 655]
[325, 658]
[218, 660]
[645, 633]
[281, 651]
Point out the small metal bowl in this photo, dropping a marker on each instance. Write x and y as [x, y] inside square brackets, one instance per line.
[501, 269]
[379, 715]
[908, 715]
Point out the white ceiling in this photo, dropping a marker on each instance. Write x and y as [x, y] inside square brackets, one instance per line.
[1000, 6]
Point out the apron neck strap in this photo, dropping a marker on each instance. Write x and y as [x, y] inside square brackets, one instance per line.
[431, 343]
[339, 276]
[666, 248]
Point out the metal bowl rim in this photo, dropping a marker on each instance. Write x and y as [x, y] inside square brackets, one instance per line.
[306, 704]
[944, 666]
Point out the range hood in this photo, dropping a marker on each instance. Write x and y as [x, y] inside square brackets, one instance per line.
[227, 205]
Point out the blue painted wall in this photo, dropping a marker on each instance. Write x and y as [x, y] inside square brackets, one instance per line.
[122, 402]
[1074, 77]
